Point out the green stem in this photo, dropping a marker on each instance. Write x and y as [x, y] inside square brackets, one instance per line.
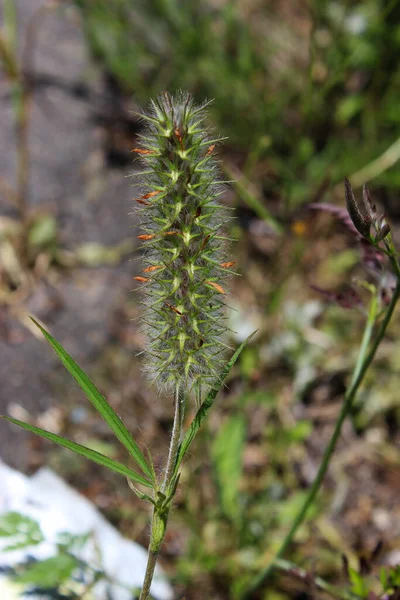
[148, 578]
[368, 331]
[180, 399]
[161, 511]
[22, 168]
[364, 361]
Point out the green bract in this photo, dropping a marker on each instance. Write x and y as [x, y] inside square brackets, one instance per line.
[184, 245]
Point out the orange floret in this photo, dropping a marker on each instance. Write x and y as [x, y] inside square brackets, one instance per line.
[178, 312]
[150, 194]
[217, 287]
[178, 135]
[142, 151]
[152, 268]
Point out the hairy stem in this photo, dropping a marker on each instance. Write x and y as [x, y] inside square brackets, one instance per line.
[175, 437]
[364, 361]
[148, 578]
[161, 511]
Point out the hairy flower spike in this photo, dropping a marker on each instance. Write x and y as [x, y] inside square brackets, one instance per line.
[184, 246]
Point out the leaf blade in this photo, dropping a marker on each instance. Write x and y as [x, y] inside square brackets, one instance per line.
[99, 402]
[22, 530]
[227, 454]
[84, 451]
[207, 404]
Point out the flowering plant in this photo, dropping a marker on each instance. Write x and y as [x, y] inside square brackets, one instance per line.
[183, 293]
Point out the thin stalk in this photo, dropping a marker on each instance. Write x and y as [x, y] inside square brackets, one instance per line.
[161, 512]
[303, 575]
[364, 361]
[148, 578]
[23, 158]
[176, 435]
[367, 336]
[21, 100]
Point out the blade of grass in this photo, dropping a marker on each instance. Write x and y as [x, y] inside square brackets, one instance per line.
[10, 24]
[100, 404]
[246, 192]
[88, 453]
[207, 404]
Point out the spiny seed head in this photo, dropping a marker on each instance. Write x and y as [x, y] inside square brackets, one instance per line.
[184, 244]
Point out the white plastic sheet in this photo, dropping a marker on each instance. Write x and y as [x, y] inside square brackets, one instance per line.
[58, 508]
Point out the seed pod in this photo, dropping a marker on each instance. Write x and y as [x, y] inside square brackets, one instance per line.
[382, 233]
[184, 247]
[361, 223]
[369, 205]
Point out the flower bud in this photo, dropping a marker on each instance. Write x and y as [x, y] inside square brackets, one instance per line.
[361, 223]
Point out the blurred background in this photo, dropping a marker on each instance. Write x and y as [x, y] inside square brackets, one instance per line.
[306, 92]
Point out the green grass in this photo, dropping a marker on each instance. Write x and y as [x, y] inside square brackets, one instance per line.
[319, 83]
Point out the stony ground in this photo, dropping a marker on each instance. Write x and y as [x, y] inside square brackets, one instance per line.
[70, 177]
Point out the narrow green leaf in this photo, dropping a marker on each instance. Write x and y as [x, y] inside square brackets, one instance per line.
[23, 531]
[49, 573]
[10, 24]
[207, 404]
[359, 585]
[227, 453]
[100, 404]
[96, 457]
